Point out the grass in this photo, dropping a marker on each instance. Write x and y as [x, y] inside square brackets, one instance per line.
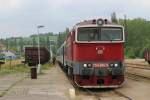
[2, 93]
[44, 67]
[15, 66]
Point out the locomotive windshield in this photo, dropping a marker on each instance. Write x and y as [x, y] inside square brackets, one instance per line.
[100, 34]
[88, 34]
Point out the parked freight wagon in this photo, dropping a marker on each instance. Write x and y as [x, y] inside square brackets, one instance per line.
[147, 55]
[31, 55]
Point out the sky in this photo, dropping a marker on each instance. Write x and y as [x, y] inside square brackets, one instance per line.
[21, 17]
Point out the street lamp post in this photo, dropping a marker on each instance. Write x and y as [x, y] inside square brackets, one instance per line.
[51, 54]
[39, 65]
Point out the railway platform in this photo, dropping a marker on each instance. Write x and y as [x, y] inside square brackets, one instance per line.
[7, 81]
[52, 85]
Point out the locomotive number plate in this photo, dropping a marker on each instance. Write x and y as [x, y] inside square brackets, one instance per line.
[100, 65]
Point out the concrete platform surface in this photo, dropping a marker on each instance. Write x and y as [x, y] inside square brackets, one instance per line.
[7, 81]
[52, 85]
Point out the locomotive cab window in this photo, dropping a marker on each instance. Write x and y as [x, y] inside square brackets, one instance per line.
[111, 34]
[100, 34]
[88, 34]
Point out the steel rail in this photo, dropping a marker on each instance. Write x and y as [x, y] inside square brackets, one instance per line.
[122, 95]
[137, 67]
[136, 75]
[137, 64]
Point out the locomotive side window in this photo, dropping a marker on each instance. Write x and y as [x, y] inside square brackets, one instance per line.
[111, 34]
[88, 34]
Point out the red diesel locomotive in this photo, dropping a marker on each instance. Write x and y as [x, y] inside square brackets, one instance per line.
[93, 54]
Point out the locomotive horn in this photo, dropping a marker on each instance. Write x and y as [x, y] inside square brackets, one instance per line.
[100, 22]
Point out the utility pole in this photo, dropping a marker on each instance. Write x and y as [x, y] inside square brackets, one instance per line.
[125, 23]
[50, 48]
[126, 28]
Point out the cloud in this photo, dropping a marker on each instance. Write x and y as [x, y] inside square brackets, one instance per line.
[10, 5]
[22, 16]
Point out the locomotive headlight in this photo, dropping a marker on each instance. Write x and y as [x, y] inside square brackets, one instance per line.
[89, 65]
[84, 65]
[116, 65]
[111, 65]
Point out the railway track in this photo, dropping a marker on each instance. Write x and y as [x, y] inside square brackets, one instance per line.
[137, 77]
[97, 94]
[138, 66]
[122, 95]
[141, 72]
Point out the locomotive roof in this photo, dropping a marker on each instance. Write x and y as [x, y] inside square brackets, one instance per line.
[93, 23]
